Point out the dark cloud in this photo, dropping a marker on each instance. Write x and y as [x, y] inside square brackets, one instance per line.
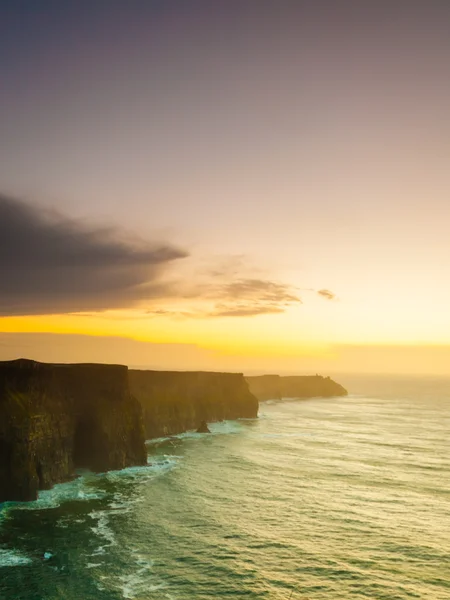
[51, 264]
[327, 294]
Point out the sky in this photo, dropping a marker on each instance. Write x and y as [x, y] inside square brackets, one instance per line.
[247, 185]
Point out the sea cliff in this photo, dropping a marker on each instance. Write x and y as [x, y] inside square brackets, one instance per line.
[269, 387]
[174, 402]
[55, 418]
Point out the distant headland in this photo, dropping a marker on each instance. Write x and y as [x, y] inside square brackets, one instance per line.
[270, 387]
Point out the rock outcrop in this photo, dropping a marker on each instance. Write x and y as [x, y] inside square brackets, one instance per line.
[174, 402]
[56, 418]
[203, 428]
[272, 387]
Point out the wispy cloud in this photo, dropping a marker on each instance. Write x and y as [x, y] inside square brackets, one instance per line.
[239, 298]
[242, 310]
[327, 294]
[251, 297]
[261, 290]
[52, 264]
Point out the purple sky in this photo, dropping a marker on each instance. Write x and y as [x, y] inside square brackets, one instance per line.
[158, 107]
[311, 138]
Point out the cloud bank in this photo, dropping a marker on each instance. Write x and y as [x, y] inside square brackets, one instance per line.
[52, 264]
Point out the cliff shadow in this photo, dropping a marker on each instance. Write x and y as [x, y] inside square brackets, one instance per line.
[6, 452]
[40, 476]
[88, 446]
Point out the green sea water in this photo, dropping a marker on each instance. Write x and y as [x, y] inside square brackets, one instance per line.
[316, 499]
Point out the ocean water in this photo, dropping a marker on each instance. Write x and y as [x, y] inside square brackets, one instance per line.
[316, 499]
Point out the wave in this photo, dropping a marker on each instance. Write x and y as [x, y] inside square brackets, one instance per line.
[137, 582]
[306, 502]
[12, 558]
[216, 428]
[80, 488]
[103, 531]
[155, 466]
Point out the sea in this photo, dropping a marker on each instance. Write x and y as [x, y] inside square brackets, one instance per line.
[318, 499]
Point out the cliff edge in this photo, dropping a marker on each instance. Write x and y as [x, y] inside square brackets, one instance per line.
[272, 387]
[174, 401]
[56, 418]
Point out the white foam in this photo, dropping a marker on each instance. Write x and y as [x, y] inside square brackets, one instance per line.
[137, 582]
[78, 489]
[99, 586]
[156, 466]
[217, 427]
[225, 427]
[93, 565]
[121, 507]
[11, 558]
[62, 523]
[83, 488]
[136, 585]
[161, 440]
[103, 530]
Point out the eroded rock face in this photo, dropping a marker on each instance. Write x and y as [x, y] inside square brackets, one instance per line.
[203, 428]
[269, 387]
[55, 418]
[174, 402]
[265, 387]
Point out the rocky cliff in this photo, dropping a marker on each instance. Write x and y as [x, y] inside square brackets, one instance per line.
[55, 418]
[267, 387]
[174, 402]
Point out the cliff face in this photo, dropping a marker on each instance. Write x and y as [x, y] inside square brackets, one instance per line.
[267, 387]
[174, 402]
[55, 418]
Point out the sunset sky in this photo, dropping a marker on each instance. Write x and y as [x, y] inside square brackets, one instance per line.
[238, 184]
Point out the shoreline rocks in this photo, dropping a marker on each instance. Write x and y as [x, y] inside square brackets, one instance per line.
[203, 428]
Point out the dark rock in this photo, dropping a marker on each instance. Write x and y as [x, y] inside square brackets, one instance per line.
[174, 401]
[203, 428]
[56, 418]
